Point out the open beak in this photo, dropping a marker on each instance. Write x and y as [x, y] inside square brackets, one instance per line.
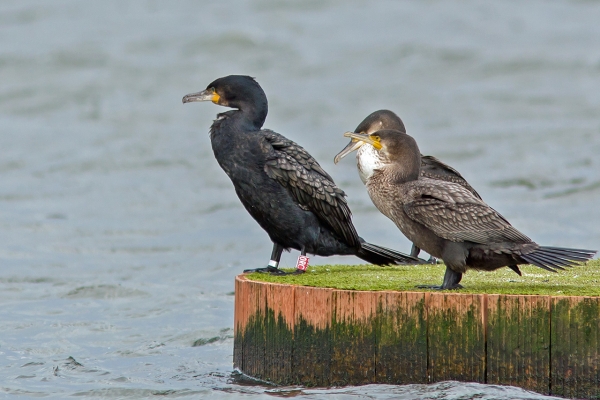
[362, 138]
[352, 146]
[205, 95]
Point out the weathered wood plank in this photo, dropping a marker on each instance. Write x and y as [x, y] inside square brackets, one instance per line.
[402, 338]
[279, 340]
[456, 337]
[353, 332]
[518, 341]
[239, 323]
[253, 342]
[312, 336]
[575, 347]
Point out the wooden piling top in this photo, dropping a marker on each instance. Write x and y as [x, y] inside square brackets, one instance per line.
[292, 334]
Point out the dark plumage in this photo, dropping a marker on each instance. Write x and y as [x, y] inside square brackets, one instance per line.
[282, 186]
[446, 219]
[431, 167]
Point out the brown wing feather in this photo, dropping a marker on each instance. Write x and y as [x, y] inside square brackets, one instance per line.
[457, 215]
[433, 168]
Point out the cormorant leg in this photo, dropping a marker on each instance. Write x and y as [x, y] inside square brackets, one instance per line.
[414, 252]
[302, 263]
[273, 264]
[516, 269]
[451, 281]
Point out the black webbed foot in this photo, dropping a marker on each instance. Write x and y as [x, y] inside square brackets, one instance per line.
[451, 280]
[437, 287]
[277, 271]
[267, 270]
[298, 272]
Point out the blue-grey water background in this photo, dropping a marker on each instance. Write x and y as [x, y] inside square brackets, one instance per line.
[120, 236]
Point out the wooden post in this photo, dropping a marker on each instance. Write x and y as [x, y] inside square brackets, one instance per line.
[321, 337]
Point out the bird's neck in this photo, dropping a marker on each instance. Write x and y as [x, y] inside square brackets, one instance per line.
[251, 115]
[235, 122]
[407, 170]
[248, 115]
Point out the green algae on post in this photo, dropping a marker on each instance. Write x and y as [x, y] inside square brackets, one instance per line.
[581, 280]
[314, 336]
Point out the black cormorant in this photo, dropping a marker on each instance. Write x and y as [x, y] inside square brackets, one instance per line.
[447, 220]
[366, 156]
[279, 183]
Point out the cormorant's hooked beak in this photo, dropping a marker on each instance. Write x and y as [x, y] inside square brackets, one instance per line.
[363, 138]
[352, 146]
[205, 95]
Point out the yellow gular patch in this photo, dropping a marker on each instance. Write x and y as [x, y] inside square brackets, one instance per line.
[376, 142]
[215, 98]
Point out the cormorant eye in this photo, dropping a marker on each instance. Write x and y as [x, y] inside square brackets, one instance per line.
[212, 89]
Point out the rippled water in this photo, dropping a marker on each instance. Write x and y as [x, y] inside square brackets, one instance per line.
[119, 234]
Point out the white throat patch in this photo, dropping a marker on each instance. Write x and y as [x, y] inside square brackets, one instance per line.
[367, 161]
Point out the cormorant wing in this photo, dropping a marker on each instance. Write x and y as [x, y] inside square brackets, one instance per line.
[294, 150]
[433, 168]
[454, 213]
[309, 185]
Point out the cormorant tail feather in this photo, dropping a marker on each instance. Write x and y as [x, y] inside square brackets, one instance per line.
[379, 255]
[553, 258]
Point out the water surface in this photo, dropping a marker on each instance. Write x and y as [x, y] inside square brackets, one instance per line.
[119, 234]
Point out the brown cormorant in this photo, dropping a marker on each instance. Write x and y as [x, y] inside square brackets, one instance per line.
[447, 220]
[366, 156]
[279, 183]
